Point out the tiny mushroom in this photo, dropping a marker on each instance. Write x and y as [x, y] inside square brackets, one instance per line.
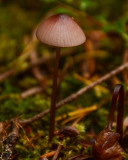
[107, 144]
[68, 131]
[60, 31]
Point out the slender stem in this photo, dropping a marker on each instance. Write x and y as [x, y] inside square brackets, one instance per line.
[118, 92]
[53, 98]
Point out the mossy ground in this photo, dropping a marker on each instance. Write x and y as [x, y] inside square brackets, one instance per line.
[17, 22]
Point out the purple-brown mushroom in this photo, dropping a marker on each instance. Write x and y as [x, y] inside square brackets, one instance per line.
[60, 31]
[108, 143]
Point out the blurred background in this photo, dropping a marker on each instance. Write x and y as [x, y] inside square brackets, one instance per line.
[26, 65]
[19, 18]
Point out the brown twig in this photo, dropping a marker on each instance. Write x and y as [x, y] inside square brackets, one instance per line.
[85, 89]
[6, 74]
[77, 94]
[27, 93]
[57, 152]
[31, 92]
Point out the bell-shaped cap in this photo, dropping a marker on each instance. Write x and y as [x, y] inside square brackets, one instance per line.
[60, 30]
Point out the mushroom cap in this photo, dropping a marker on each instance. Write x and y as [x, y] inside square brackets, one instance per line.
[69, 131]
[60, 30]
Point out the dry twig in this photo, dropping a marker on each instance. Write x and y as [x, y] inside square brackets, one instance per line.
[31, 92]
[77, 94]
[6, 74]
[57, 152]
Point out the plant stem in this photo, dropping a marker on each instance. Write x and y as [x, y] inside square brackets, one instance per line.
[118, 92]
[53, 98]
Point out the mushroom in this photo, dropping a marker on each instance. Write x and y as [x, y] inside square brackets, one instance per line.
[60, 31]
[118, 93]
[68, 131]
[107, 144]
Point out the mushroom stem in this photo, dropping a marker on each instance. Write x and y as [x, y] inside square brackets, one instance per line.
[118, 92]
[53, 98]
